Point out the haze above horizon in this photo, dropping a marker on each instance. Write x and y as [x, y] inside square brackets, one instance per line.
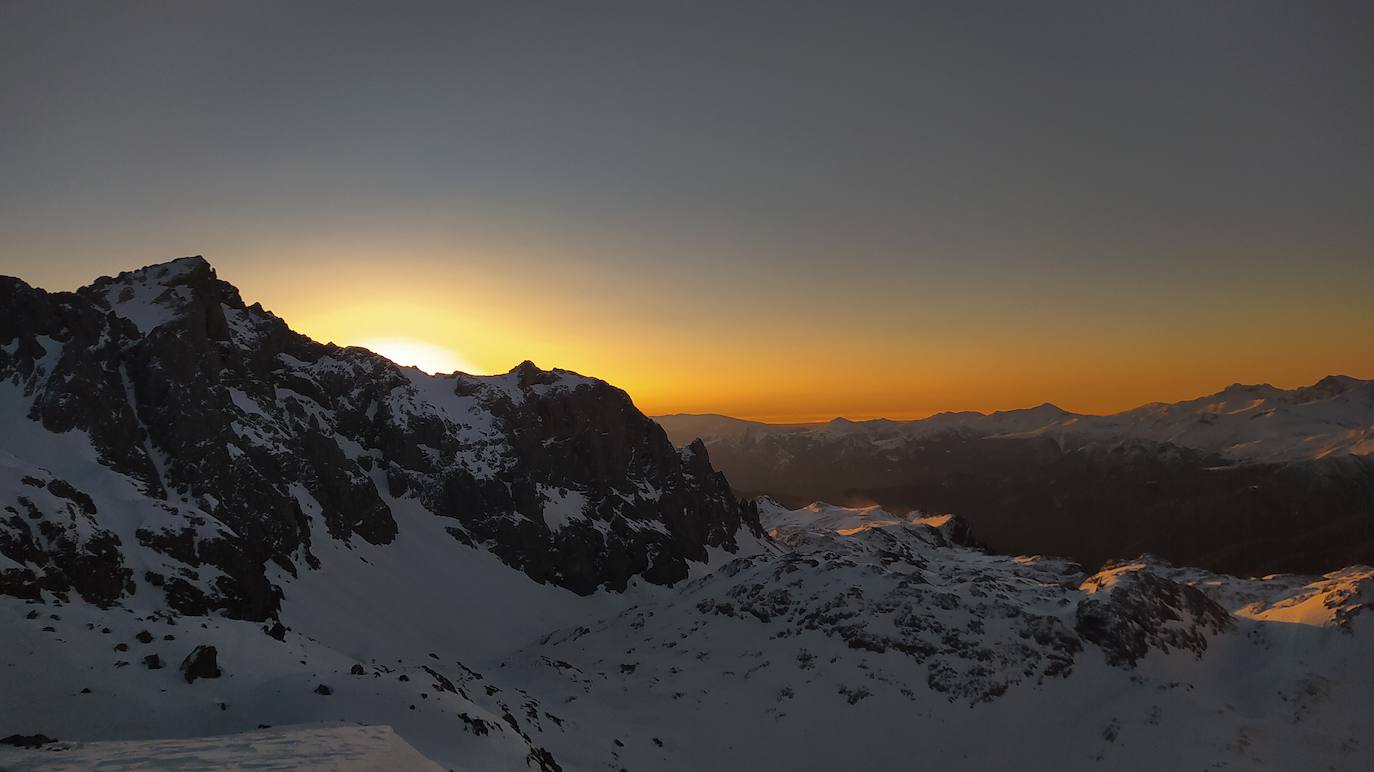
[774, 213]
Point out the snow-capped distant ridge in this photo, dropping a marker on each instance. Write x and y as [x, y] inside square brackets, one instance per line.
[1242, 422]
[1257, 423]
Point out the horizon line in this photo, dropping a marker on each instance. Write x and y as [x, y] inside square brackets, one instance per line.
[820, 419]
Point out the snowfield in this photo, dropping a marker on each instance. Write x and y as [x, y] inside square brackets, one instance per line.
[318, 747]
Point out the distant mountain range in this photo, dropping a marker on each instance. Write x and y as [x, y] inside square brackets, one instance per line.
[1252, 479]
[1244, 423]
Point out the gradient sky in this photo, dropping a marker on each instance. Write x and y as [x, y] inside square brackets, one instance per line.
[785, 211]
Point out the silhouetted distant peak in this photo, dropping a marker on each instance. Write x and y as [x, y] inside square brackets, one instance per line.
[1338, 383]
[1246, 388]
[1044, 408]
[528, 374]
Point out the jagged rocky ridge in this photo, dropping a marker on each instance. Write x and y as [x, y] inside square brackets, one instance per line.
[247, 443]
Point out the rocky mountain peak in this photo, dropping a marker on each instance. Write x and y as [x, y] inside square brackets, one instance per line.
[183, 290]
[243, 447]
[529, 374]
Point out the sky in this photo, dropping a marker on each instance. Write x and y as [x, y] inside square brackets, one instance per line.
[781, 211]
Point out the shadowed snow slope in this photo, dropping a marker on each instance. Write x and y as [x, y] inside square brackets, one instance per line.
[864, 651]
[777, 658]
[345, 748]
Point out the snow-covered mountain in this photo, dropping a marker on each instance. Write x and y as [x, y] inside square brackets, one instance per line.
[1252, 479]
[158, 427]
[223, 543]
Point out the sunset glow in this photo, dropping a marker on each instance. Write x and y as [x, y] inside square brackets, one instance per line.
[429, 357]
[879, 238]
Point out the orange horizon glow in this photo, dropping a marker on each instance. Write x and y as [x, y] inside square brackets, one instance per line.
[672, 362]
[681, 342]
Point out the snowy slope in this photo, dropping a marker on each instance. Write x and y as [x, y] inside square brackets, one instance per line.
[346, 748]
[778, 658]
[891, 633]
[874, 649]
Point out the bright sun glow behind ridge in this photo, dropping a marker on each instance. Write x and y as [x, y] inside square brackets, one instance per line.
[416, 353]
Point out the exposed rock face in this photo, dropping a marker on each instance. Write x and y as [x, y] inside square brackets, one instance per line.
[977, 625]
[27, 740]
[1133, 609]
[202, 662]
[51, 530]
[249, 441]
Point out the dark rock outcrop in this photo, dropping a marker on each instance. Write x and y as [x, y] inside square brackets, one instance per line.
[27, 740]
[202, 662]
[52, 530]
[1133, 609]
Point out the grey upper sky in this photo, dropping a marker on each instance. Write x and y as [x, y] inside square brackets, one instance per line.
[981, 156]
